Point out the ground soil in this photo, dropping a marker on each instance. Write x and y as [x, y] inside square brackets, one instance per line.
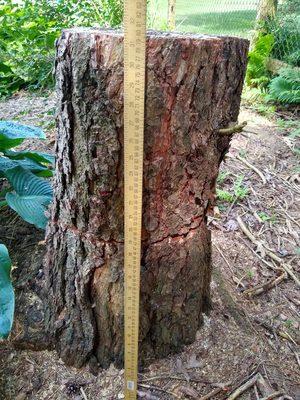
[241, 336]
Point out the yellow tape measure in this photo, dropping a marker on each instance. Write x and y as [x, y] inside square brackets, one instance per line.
[134, 98]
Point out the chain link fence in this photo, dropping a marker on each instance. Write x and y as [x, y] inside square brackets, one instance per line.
[240, 18]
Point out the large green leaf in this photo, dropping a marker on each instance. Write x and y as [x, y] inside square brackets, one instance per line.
[32, 155]
[12, 134]
[6, 163]
[7, 298]
[31, 197]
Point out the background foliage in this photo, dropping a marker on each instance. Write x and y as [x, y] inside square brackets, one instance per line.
[29, 28]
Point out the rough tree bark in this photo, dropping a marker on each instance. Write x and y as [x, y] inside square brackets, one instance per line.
[193, 89]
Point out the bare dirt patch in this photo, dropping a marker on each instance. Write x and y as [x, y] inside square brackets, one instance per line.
[242, 336]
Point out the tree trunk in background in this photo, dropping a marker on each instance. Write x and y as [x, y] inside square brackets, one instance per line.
[193, 89]
[266, 10]
[171, 14]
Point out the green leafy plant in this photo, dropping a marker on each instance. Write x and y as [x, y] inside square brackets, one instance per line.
[222, 176]
[286, 33]
[26, 193]
[13, 134]
[257, 73]
[250, 274]
[224, 195]
[7, 298]
[29, 195]
[285, 88]
[289, 323]
[265, 217]
[239, 192]
[29, 28]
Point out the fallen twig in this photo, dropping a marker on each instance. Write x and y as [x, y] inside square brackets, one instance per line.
[291, 218]
[244, 387]
[259, 289]
[221, 387]
[274, 331]
[273, 395]
[269, 253]
[261, 258]
[211, 394]
[255, 169]
[222, 255]
[178, 378]
[232, 129]
[286, 182]
[159, 389]
[83, 393]
[264, 387]
[296, 355]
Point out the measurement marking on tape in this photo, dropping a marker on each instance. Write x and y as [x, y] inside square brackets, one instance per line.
[134, 98]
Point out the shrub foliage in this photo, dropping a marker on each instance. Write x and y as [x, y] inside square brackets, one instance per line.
[29, 28]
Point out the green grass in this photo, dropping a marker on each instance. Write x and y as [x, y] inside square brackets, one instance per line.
[225, 17]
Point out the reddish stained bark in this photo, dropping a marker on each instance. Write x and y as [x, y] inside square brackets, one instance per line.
[193, 89]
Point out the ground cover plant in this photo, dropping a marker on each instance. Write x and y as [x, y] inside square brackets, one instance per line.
[24, 192]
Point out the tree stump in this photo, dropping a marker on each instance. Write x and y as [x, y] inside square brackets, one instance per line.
[194, 85]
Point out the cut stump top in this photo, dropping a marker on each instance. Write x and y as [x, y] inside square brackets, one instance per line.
[152, 34]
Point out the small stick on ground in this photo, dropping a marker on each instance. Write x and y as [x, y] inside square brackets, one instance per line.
[213, 393]
[255, 169]
[259, 289]
[178, 378]
[296, 355]
[274, 331]
[256, 392]
[273, 395]
[222, 255]
[269, 253]
[83, 393]
[143, 385]
[274, 268]
[244, 387]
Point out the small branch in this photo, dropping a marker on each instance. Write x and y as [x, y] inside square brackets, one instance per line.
[273, 331]
[244, 387]
[296, 355]
[256, 290]
[269, 253]
[83, 393]
[232, 129]
[255, 169]
[158, 389]
[178, 378]
[213, 393]
[273, 395]
[222, 255]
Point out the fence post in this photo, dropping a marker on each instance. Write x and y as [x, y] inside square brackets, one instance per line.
[171, 15]
[266, 9]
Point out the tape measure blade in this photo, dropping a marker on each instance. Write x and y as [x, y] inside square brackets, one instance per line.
[134, 97]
